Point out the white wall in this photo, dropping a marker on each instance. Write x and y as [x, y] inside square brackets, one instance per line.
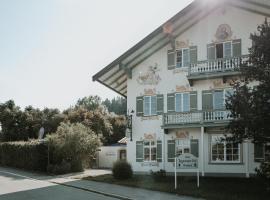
[108, 155]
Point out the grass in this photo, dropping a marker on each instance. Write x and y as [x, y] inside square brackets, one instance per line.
[210, 188]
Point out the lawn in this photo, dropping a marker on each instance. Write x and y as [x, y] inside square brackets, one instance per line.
[210, 188]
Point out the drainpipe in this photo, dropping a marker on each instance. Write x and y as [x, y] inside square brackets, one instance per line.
[202, 150]
[163, 150]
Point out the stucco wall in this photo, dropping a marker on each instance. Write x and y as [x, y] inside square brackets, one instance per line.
[108, 155]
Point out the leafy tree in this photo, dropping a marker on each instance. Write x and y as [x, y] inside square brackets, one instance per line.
[250, 103]
[90, 103]
[117, 105]
[71, 145]
[118, 123]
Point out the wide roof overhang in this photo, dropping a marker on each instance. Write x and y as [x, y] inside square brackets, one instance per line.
[116, 74]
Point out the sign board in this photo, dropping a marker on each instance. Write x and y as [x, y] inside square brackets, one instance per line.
[186, 161]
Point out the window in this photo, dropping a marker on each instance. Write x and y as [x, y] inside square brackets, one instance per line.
[219, 98]
[224, 50]
[150, 105]
[261, 152]
[223, 151]
[182, 102]
[182, 146]
[149, 150]
[182, 58]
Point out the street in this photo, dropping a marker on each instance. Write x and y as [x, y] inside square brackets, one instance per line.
[17, 187]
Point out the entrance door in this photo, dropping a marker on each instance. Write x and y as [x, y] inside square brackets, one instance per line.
[123, 154]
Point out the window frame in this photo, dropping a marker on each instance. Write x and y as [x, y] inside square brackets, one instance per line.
[224, 151]
[183, 146]
[223, 44]
[182, 58]
[150, 146]
[182, 102]
[224, 91]
[150, 105]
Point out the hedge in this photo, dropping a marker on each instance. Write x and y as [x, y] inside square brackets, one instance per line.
[30, 155]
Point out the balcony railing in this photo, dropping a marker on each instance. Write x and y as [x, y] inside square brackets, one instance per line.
[217, 65]
[199, 117]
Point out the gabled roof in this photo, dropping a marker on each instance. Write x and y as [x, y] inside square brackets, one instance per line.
[115, 75]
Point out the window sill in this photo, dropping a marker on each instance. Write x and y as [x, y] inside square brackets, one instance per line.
[151, 117]
[226, 163]
[149, 163]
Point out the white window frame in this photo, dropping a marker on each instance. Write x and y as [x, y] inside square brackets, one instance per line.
[150, 146]
[182, 101]
[224, 152]
[150, 106]
[223, 44]
[225, 90]
[182, 144]
[182, 59]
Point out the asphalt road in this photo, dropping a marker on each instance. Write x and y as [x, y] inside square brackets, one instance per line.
[17, 187]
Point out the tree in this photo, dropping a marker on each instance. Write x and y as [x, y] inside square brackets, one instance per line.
[118, 123]
[250, 104]
[89, 103]
[117, 105]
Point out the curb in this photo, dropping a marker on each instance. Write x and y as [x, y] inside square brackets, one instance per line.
[94, 191]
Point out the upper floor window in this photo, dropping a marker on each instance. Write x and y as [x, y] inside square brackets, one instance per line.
[224, 50]
[150, 105]
[182, 58]
[182, 102]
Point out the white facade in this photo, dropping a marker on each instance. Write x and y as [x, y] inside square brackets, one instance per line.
[153, 77]
[108, 155]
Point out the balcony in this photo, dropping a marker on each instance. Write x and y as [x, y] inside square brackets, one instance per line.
[216, 68]
[196, 119]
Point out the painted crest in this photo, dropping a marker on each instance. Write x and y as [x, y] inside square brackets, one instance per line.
[224, 32]
[150, 77]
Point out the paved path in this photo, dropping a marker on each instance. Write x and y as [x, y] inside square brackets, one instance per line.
[17, 184]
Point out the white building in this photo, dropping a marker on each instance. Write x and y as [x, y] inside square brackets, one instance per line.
[176, 80]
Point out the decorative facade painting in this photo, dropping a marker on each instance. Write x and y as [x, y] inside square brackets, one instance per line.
[224, 32]
[150, 77]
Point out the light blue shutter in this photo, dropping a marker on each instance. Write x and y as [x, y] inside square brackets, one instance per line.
[178, 102]
[207, 100]
[186, 57]
[258, 152]
[194, 147]
[218, 100]
[186, 101]
[227, 49]
[153, 105]
[159, 151]
[193, 52]
[139, 151]
[171, 150]
[146, 105]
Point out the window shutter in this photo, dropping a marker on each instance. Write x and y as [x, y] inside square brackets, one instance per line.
[236, 45]
[171, 102]
[194, 147]
[207, 100]
[193, 54]
[139, 106]
[171, 150]
[258, 152]
[159, 151]
[193, 101]
[211, 51]
[160, 104]
[139, 151]
[171, 59]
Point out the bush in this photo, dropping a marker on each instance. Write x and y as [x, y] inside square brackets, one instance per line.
[62, 168]
[72, 144]
[264, 173]
[122, 170]
[30, 155]
[159, 175]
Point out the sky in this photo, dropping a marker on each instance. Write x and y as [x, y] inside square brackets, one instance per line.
[49, 50]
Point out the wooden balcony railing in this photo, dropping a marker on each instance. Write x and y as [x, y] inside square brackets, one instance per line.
[217, 65]
[199, 117]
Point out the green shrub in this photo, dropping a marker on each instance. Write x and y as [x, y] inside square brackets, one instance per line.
[31, 155]
[122, 170]
[72, 143]
[62, 168]
[264, 173]
[159, 175]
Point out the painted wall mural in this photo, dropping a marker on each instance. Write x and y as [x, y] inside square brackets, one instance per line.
[224, 32]
[150, 77]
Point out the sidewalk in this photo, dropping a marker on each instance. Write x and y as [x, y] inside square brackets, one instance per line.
[116, 191]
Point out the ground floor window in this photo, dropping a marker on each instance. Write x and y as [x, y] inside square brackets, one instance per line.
[150, 150]
[223, 151]
[182, 146]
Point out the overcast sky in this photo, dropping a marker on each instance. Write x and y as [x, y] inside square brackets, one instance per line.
[50, 49]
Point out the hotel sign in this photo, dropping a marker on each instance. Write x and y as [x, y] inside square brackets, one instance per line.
[186, 161]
